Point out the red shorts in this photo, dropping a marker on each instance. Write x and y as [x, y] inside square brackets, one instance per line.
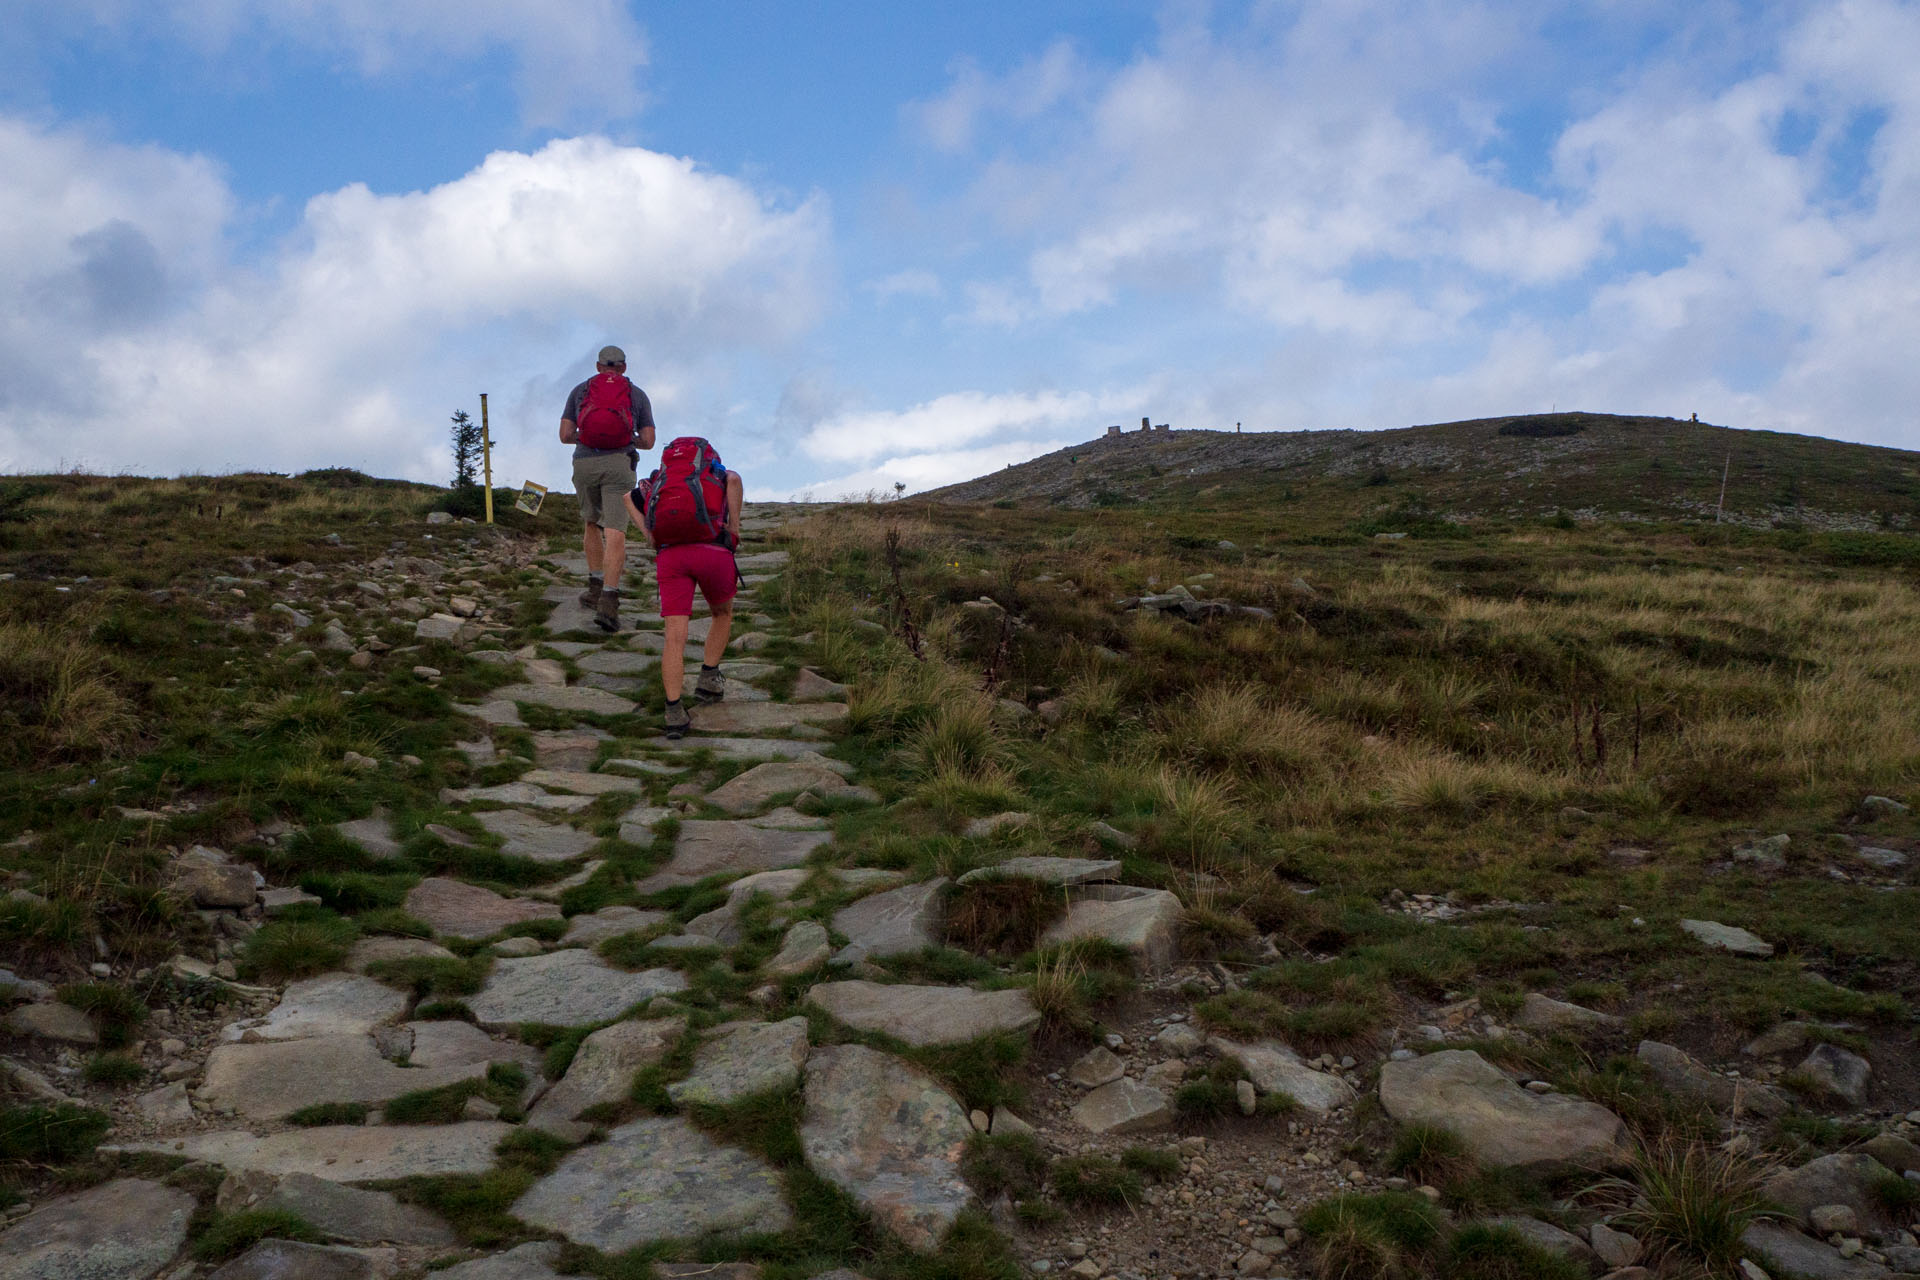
[680, 568]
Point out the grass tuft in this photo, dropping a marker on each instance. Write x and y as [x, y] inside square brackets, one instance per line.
[1095, 1182]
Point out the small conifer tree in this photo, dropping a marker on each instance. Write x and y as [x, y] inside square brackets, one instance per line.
[466, 451]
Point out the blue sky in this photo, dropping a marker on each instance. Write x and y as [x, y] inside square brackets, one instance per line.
[858, 244]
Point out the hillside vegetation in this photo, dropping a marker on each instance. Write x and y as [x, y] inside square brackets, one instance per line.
[1421, 760]
[1585, 465]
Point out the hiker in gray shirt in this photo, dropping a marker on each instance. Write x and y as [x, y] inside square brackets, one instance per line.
[605, 419]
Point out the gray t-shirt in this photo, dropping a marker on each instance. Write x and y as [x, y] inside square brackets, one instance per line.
[642, 418]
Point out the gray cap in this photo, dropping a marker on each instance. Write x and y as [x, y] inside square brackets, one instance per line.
[612, 355]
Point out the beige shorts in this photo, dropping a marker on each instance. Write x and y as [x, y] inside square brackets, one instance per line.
[603, 483]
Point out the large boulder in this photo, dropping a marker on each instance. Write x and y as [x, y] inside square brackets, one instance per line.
[209, 879]
[755, 789]
[1501, 1123]
[889, 1136]
[1789, 1255]
[1847, 1178]
[122, 1230]
[1682, 1074]
[1123, 1106]
[654, 1178]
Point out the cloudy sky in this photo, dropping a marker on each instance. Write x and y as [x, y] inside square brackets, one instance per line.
[859, 243]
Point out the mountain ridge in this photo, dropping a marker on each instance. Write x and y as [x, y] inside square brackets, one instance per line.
[1589, 465]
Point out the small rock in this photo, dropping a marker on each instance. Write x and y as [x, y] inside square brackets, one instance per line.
[1845, 1075]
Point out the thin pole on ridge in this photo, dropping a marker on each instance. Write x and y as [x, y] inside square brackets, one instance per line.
[486, 454]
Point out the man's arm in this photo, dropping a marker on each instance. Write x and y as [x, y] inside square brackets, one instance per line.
[736, 494]
[642, 419]
[569, 433]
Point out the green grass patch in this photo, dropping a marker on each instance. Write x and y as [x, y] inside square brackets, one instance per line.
[996, 1164]
[1095, 1182]
[231, 1234]
[298, 948]
[323, 1113]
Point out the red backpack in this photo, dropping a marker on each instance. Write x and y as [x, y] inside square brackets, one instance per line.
[686, 498]
[606, 412]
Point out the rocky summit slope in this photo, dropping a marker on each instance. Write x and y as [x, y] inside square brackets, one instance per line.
[1583, 464]
[643, 1001]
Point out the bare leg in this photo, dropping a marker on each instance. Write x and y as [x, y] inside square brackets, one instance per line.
[590, 543]
[717, 635]
[673, 657]
[614, 558]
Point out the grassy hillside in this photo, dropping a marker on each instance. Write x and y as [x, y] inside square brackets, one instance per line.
[1586, 465]
[1405, 759]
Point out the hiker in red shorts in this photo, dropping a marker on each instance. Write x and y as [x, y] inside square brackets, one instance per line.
[690, 508]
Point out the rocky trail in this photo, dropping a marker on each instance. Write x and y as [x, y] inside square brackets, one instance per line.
[236, 1095]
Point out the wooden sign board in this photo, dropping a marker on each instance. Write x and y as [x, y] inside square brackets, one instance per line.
[531, 495]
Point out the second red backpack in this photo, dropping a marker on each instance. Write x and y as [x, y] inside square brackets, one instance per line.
[687, 496]
[606, 412]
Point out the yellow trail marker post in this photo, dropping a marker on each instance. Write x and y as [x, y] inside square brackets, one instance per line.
[486, 454]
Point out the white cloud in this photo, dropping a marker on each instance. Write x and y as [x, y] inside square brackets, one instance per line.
[381, 314]
[949, 120]
[578, 64]
[962, 417]
[1338, 176]
[929, 470]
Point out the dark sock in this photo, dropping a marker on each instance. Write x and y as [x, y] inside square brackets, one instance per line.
[704, 667]
[674, 702]
[594, 577]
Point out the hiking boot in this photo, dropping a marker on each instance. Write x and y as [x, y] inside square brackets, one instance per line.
[709, 687]
[590, 598]
[678, 721]
[606, 612]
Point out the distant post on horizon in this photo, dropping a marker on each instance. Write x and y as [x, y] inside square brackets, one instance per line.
[486, 455]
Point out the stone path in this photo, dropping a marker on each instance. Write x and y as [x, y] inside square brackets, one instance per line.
[879, 1128]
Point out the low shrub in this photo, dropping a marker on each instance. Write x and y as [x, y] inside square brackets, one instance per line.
[1004, 1163]
[234, 1233]
[1095, 1182]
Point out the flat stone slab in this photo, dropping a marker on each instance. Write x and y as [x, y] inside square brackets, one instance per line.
[344, 1153]
[1124, 1106]
[122, 1230]
[1275, 1068]
[1501, 1123]
[602, 1071]
[1801, 1257]
[1049, 870]
[900, 921]
[888, 1136]
[610, 922]
[764, 717]
[706, 848]
[756, 749]
[811, 686]
[741, 1060]
[761, 560]
[274, 1259]
[533, 1261]
[525, 836]
[736, 691]
[755, 789]
[805, 948]
[333, 1004]
[272, 1080]
[587, 784]
[464, 910]
[373, 833]
[618, 662]
[655, 1178]
[368, 952]
[1726, 937]
[521, 793]
[493, 713]
[1543, 1014]
[1144, 921]
[566, 988]
[925, 1015]
[451, 1043]
[565, 698]
[356, 1216]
